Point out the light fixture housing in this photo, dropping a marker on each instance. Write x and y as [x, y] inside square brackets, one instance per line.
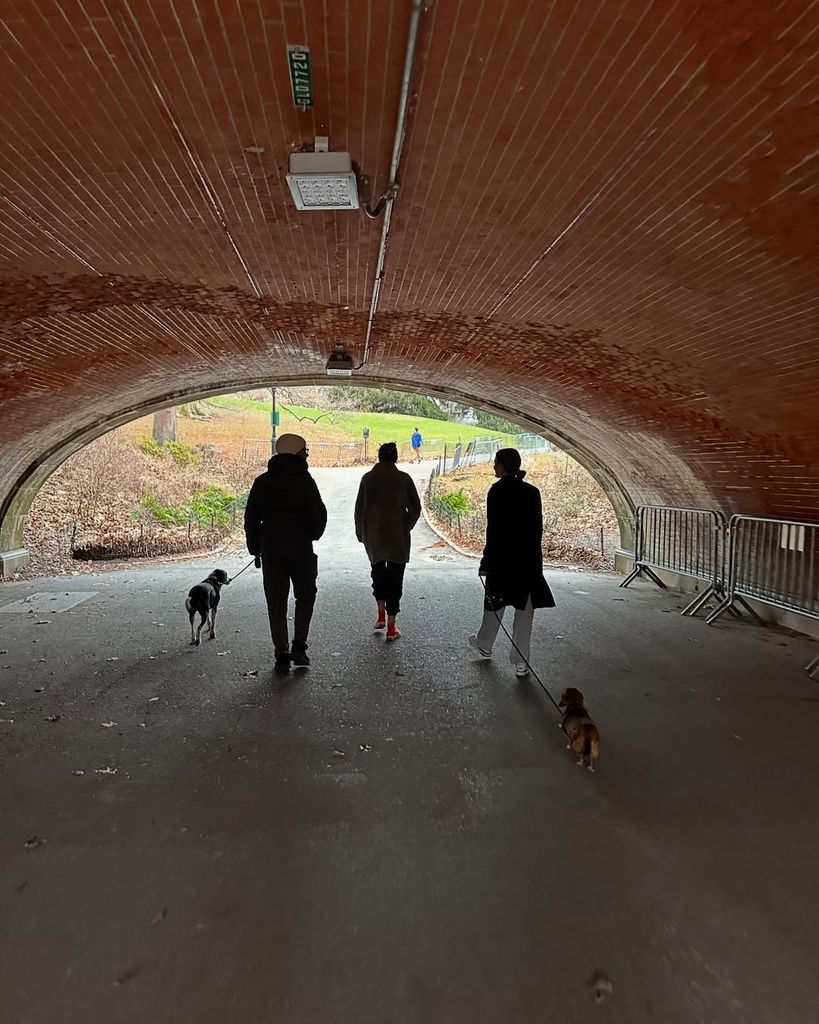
[340, 363]
[323, 181]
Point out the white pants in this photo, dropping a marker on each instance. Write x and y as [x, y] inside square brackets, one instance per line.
[521, 631]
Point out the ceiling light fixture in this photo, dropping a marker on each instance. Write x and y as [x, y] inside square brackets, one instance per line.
[340, 363]
[322, 180]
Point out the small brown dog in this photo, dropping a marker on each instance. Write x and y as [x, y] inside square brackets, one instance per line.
[584, 739]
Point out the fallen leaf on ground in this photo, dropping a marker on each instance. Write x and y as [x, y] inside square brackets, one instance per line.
[112, 659]
[34, 842]
[78, 771]
[53, 718]
[248, 675]
[152, 700]
[600, 986]
[364, 746]
[221, 654]
[42, 622]
[108, 725]
[39, 689]
[339, 753]
[105, 771]
[123, 978]
[159, 917]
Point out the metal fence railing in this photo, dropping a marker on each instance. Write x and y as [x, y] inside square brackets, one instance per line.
[441, 509]
[147, 536]
[690, 541]
[774, 562]
[590, 547]
[448, 453]
[481, 449]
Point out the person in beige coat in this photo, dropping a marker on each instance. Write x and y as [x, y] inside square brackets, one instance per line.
[386, 510]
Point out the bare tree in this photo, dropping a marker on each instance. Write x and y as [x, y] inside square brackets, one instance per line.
[165, 425]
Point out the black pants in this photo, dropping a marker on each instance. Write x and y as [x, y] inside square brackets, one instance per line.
[278, 570]
[388, 584]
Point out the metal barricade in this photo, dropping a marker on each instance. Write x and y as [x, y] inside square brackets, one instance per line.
[689, 541]
[775, 562]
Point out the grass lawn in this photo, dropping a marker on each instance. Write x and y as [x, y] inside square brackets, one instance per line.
[340, 426]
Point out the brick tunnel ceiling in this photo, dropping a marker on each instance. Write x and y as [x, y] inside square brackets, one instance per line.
[607, 221]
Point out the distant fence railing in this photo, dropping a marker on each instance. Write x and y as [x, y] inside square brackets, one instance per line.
[480, 449]
[589, 547]
[773, 561]
[442, 511]
[353, 453]
[690, 541]
[149, 537]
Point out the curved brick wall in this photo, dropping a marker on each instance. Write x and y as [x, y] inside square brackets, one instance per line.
[607, 226]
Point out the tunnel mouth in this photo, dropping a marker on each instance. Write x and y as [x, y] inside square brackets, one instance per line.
[19, 501]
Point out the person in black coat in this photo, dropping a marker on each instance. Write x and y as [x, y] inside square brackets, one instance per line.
[283, 516]
[512, 562]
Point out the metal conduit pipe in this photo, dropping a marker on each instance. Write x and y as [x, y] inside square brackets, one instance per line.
[392, 187]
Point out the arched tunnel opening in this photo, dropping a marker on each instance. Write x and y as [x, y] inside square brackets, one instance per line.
[108, 487]
[594, 219]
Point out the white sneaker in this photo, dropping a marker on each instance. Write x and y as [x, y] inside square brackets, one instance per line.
[521, 670]
[473, 642]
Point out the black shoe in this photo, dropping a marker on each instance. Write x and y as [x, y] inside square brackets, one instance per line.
[282, 663]
[299, 655]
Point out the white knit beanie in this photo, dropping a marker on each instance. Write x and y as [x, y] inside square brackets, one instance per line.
[290, 444]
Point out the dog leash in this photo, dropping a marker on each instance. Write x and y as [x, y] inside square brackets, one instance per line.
[512, 642]
[239, 573]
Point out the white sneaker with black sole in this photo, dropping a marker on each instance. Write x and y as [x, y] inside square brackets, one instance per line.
[473, 642]
[521, 670]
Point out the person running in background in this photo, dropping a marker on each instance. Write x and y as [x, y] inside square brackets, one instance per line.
[416, 441]
[512, 562]
[386, 510]
[283, 516]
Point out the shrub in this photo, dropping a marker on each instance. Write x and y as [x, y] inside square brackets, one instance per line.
[185, 454]
[456, 501]
[168, 515]
[211, 506]
[148, 445]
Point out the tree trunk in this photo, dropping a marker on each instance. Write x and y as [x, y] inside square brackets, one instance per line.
[165, 425]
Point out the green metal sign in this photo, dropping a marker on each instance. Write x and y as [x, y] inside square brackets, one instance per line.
[301, 75]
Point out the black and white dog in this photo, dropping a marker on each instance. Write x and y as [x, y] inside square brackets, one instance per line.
[204, 599]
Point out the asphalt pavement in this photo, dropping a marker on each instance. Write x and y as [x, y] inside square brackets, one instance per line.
[398, 835]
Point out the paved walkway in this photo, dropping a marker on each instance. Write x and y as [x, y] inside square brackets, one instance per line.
[398, 836]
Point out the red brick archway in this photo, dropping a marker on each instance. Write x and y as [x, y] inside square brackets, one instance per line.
[606, 224]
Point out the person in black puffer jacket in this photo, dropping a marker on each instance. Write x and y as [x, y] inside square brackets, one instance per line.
[512, 563]
[283, 516]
